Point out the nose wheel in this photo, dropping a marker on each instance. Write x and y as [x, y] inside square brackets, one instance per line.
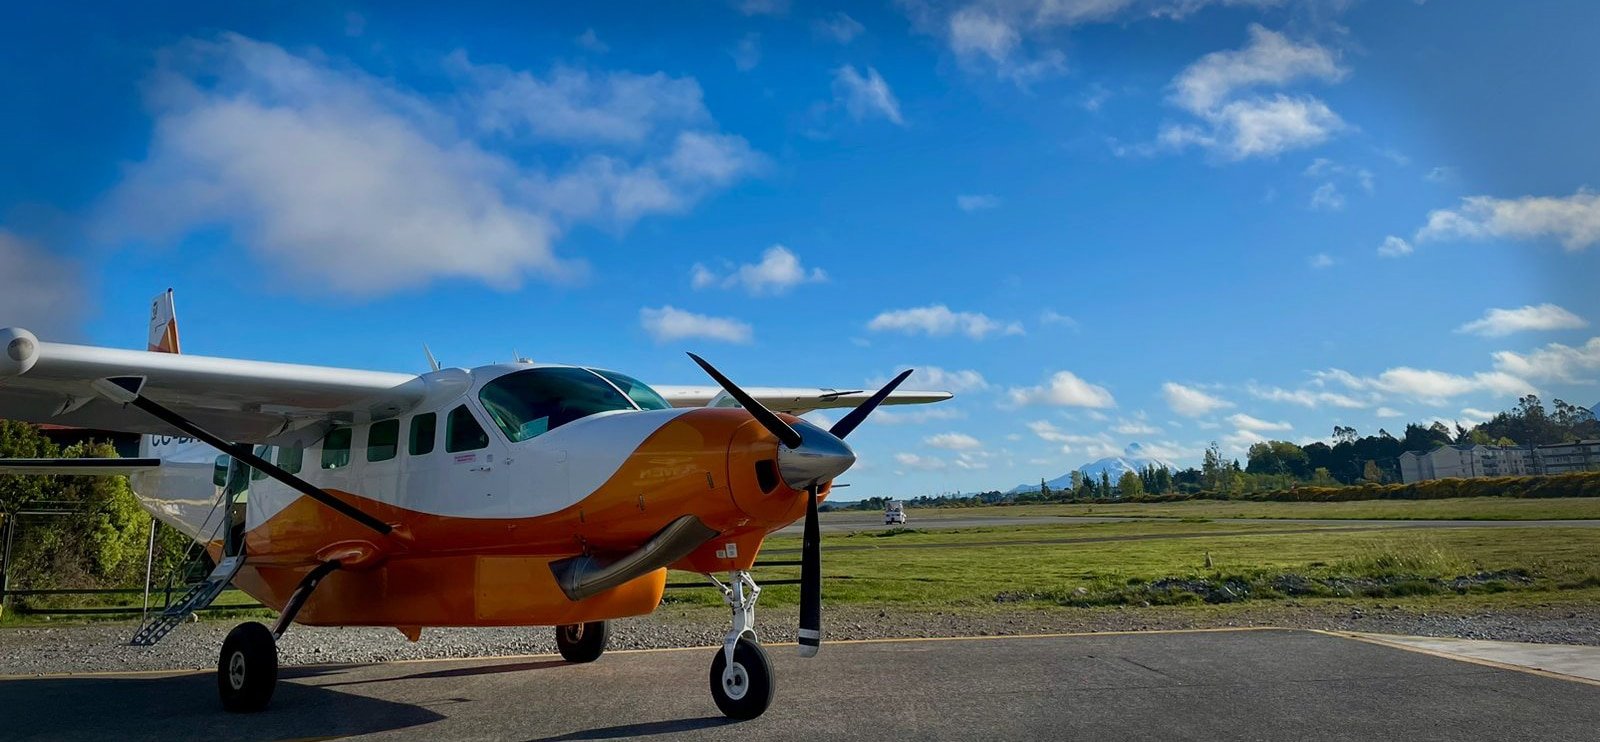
[743, 688]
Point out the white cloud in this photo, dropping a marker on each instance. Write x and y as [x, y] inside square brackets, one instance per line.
[762, 7]
[1134, 427]
[912, 460]
[1430, 386]
[953, 442]
[977, 202]
[1327, 198]
[1255, 126]
[937, 320]
[1440, 174]
[1574, 220]
[865, 96]
[1387, 412]
[1189, 401]
[778, 271]
[591, 41]
[1475, 415]
[917, 416]
[975, 31]
[39, 292]
[1394, 247]
[1052, 317]
[666, 324]
[1502, 322]
[1320, 261]
[1064, 389]
[1269, 58]
[934, 377]
[747, 53]
[349, 184]
[1047, 431]
[839, 27]
[1246, 422]
[1306, 397]
[1554, 362]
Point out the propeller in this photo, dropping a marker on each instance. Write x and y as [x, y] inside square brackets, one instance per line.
[768, 419]
[816, 457]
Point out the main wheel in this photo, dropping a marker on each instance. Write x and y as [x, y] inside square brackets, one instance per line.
[582, 642]
[744, 689]
[247, 672]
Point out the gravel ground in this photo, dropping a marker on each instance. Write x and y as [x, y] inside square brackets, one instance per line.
[102, 646]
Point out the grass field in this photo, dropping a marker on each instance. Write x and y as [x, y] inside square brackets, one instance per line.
[1464, 508]
[1000, 568]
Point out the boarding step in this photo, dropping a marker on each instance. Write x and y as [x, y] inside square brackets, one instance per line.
[196, 598]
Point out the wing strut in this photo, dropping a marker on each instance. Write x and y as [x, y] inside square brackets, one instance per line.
[125, 390]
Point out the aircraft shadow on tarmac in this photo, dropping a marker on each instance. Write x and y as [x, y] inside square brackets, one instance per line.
[186, 707]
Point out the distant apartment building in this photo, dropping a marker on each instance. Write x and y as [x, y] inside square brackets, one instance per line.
[1561, 458]
[1468, 460]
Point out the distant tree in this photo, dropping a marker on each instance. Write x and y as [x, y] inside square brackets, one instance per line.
[1342, 434]
[1278, 457]
[1130, 485]
[1084, 489]
[1372, 473]
[1077, 480]
[1422, 440]
[1163, 484]
[1321, 478]
[1105, 483]
[1044, 489]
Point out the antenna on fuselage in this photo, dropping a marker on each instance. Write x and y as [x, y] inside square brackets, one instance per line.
[433, 363]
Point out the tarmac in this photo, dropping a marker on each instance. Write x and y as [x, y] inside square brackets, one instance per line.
[1261, 684]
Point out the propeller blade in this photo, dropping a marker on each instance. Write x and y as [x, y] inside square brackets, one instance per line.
[810, 634]
[849, 422]
[768, 419]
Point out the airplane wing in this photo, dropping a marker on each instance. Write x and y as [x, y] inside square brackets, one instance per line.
[793, 400]
[243, 401]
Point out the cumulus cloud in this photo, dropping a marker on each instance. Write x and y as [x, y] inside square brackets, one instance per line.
[1136, 426]
[1327, 198]
[1387, 412]
[1311, 398]
[1501, 322]
[668, 323]
[937, 320]
[1394, 247]
[1237, 126]
[1320, 261]
[916, 461]
[977, 202]
[39, 292]
[934, 377]
[778, 271]
[1573, 220]
[1190, 401]
[865, 96]
[1064, 389]
[838, 26]
[916, 416]
[953, 442]
[349, 183]
[1247, 422]
[1553, 362]
[1431, 386]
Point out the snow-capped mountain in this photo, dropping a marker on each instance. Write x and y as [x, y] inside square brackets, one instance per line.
[1133, 459]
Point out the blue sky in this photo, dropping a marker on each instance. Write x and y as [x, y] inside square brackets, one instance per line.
[1162, 221]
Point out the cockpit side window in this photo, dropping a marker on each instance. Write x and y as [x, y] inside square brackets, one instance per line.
[638, 391]
[527, 404]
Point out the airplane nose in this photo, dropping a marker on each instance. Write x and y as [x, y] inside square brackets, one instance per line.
[820, 457]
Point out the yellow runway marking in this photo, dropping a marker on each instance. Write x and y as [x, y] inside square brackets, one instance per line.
[1457, 657]
[426, 660]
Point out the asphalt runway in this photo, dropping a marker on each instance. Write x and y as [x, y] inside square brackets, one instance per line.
[851, 521]
[1208, 685]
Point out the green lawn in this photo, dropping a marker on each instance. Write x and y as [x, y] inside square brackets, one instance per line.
[1465, 508]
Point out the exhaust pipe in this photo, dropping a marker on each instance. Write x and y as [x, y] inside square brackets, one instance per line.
[585, 576]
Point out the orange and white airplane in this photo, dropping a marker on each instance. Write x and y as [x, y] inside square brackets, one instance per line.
[518, 494]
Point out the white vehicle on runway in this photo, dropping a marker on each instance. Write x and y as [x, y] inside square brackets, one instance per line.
[894, 513]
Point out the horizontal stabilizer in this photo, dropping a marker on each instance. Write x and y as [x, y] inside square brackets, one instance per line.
[78, 467]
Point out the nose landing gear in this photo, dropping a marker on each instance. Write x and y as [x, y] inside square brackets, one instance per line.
[742, 682]
[582, 642]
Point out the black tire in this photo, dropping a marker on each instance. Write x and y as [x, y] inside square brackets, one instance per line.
[247, 671]
[583, 642]
[746, 693]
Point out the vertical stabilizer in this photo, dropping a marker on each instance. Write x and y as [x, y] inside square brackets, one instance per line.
[163, 325]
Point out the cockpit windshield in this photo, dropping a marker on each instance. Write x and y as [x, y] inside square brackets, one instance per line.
[527, 404]
[638, 391]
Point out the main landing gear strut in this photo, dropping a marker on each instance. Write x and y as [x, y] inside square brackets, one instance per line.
[247, 671]
[742, 683]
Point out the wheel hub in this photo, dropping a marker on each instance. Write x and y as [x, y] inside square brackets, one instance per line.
[236, 670]
[735, 681]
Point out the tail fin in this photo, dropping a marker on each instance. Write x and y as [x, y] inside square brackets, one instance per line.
[163, 325]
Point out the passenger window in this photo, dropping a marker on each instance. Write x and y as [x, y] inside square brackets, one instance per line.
[423, 428]
[289, 459]
[264, 452]
[463, 433]
[336, 448]
[383, 440]
[219, 471]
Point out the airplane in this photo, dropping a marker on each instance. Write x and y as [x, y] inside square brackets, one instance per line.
[513, 494]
